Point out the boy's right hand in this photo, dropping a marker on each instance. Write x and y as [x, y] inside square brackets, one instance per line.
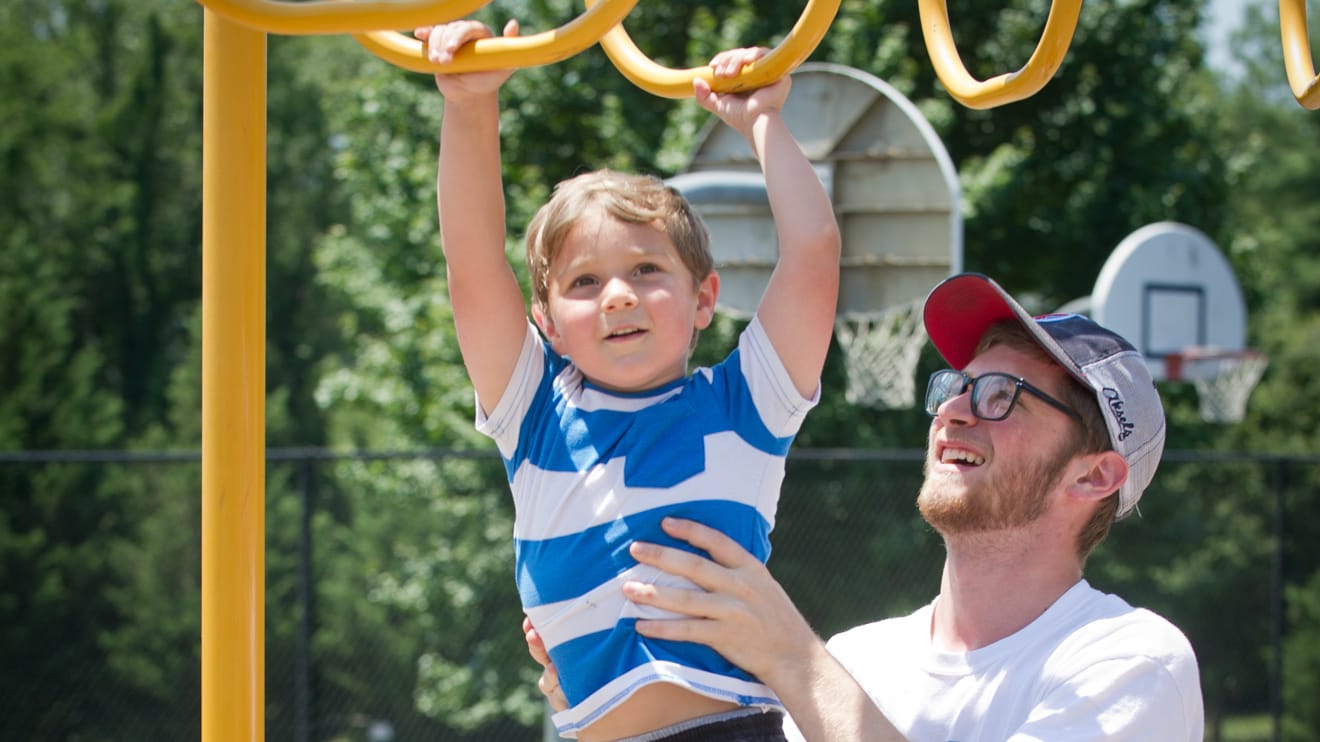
[443, 41]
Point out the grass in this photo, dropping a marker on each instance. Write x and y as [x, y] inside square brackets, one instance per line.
[1257, 728]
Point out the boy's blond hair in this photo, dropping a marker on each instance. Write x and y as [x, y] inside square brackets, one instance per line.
[637, 199]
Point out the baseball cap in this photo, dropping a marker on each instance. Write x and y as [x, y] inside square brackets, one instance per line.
[960, 309]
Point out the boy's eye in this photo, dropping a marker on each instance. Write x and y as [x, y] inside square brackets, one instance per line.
[582, 281]
[648, 268]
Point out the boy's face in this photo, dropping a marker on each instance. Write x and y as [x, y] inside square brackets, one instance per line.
[622, 305]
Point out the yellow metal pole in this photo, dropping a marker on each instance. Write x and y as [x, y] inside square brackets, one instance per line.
[502, 52]
[302, 17]
[233, 382]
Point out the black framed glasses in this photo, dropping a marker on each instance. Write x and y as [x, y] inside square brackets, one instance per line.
[993, 394]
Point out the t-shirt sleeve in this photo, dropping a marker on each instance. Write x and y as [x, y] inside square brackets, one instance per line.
[781, 406]
[505, 419]
[1129, 698]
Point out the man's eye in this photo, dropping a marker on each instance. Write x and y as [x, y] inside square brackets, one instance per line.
[999, 396]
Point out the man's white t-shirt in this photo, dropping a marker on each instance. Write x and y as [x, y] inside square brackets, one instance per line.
[1091, 667]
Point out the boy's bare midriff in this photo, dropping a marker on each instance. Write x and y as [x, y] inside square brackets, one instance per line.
[652, 707]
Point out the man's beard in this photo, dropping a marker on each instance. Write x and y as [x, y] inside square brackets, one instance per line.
[1005, 501]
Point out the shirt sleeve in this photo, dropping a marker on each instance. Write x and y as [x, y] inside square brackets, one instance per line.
[505, 419]
[781, 406]
[1130, 698]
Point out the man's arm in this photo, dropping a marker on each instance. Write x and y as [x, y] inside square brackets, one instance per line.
[746, 616]
[798, 307]
[489, 315]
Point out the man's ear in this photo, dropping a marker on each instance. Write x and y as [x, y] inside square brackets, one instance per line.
[1098, 475]
[708, 291]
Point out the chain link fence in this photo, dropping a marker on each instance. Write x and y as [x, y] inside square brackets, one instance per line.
[391, 613]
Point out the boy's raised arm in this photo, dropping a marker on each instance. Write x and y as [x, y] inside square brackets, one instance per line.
[489, 314]
[797, 309]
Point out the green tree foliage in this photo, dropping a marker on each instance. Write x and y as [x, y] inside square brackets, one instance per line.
[1115, 141]
[99, 289]
[427, 546]
[97, 258]
[1271, 237]
[1301, 661]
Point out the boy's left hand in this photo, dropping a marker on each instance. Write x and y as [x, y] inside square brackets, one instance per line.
[739, 110]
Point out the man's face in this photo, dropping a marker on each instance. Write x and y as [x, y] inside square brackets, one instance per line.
[987, 476]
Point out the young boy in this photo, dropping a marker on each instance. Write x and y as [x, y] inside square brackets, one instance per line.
[603, 431]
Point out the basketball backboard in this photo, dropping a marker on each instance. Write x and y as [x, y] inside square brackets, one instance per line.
[1168, 288]
[895, 194]
[893, 185]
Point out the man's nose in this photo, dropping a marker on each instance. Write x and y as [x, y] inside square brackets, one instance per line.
[957, 409]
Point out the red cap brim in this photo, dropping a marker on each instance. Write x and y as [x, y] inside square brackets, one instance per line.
[960, 309]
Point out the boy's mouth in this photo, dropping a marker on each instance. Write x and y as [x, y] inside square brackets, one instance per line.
[625, 332]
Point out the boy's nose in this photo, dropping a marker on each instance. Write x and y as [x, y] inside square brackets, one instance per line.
[619, 294]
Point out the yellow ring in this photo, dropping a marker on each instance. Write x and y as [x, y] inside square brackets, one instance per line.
[673, 83]
[503, 52]
[1297, 58]
[1008, 87]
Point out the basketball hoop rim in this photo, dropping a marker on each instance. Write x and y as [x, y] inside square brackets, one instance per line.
[1177, 362]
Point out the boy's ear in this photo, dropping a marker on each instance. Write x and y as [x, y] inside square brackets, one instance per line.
[708, 291]
[547, 326]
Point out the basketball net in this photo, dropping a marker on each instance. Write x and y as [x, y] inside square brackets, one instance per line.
[1223, 380]
[880, 354]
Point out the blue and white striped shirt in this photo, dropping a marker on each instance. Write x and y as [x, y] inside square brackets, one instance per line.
[592, 471]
